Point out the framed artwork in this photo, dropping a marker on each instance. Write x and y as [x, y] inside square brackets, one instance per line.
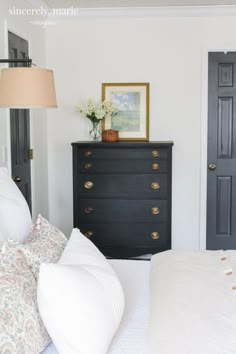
[132, 100]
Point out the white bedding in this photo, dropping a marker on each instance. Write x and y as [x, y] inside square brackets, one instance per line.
[131, 337]
[193, 302]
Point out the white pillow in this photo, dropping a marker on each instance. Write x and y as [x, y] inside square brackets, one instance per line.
[80, 299]
[15, 218]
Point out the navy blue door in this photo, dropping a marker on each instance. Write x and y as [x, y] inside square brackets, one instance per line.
[221, 183]
[20, 128]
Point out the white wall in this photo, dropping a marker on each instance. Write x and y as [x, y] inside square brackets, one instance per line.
[35, 35]
[167, 52]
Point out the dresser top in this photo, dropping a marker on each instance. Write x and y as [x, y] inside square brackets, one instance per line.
[122, 144]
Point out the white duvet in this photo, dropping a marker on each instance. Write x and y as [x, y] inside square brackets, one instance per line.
[193, 303]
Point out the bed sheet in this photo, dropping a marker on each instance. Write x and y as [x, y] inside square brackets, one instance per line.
[131, 338]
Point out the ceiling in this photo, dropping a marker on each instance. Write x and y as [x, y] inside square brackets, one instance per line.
[132, 3]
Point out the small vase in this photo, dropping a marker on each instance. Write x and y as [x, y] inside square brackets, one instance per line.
[96, 131]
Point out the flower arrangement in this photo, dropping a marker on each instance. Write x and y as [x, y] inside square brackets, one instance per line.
[96, 113]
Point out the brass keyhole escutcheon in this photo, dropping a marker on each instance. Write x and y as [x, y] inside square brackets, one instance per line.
[155, 166]
[88, 153]
[87, 166]
[155, 235]
[155, 210]
[155, 185]
[155, 153]
[89, 233]
[88, 185]
[212, 166]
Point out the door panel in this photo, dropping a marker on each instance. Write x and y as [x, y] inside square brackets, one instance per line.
[225, 74]
[225, 127]
[221, 181]
[20, 128]
[223, 205]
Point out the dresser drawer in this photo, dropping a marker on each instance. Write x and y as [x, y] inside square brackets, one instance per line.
[101, 210]
[157, 153]
[126, 234]
[145, 186]
[122, 196]
[123, 166]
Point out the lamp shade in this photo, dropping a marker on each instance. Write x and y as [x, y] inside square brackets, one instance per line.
[26, 87]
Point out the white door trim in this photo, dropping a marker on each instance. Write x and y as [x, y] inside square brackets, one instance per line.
[7, 111]
[203, 142]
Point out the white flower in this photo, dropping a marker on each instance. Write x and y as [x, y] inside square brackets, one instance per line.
[90, 106]
[96, 112]
[108, 106]
[100, 113]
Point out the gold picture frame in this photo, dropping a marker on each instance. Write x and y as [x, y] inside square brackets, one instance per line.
[132, 100]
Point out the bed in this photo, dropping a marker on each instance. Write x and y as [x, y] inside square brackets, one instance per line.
[180, 302]
[131, 337]
[183, 301]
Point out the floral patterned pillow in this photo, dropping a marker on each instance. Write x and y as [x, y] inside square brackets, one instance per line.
[21, 327]
[44, 244]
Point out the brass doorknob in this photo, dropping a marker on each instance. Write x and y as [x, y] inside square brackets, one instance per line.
[88, 153]
[155, 210]
[17, 179]
[89, 234]
[88, 185]
[212, 167]
[155, 185]
[155, 153]
[155, 235]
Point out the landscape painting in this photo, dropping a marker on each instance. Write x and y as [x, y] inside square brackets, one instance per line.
[132, 101]
[128, 117]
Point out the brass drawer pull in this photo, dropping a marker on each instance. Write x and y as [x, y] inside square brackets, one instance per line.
[155, 166]
[155, 185]
[89, 233]
[88, 210]
[155, 153]
[87, 166]
[88, 185]
[155, 210]
[155, 235]
[88, 153]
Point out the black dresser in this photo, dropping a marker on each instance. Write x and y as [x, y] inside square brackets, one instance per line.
[122, 196]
